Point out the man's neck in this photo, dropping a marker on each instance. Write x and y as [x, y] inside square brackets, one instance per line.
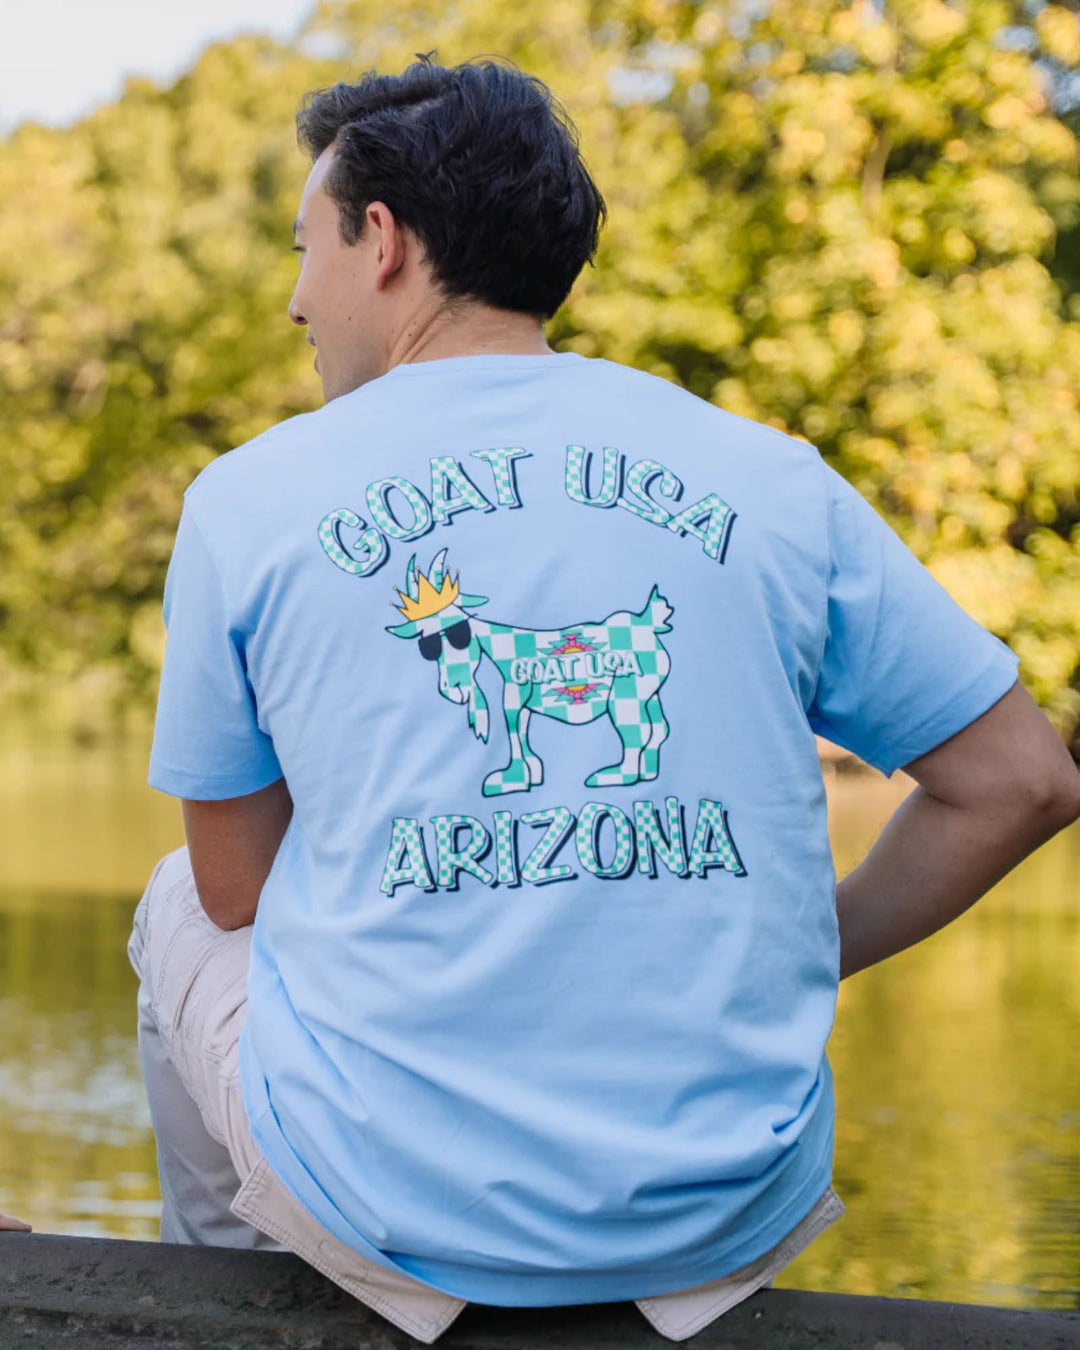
[492, 332]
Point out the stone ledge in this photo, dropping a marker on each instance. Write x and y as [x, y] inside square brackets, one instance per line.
[98, 1294]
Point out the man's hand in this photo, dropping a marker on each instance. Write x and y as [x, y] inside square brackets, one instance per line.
[10, 1225]
[232, 844]
[987, 797]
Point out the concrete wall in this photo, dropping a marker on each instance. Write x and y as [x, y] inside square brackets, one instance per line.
[91, 1294]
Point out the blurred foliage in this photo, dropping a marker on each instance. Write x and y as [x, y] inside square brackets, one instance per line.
[144, 279]
[840, 219]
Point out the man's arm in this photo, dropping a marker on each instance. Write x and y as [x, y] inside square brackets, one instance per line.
[232, 844]
[987, 797]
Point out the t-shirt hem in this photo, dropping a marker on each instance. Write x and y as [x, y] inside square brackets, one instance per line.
[518, 1289]
[992, 683]
[515, 1290]
[203, 787]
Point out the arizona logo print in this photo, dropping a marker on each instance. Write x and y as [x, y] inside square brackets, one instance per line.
[576, 674]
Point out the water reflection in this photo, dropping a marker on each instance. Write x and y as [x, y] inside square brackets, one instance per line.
[957, 1063]
[76, 1152]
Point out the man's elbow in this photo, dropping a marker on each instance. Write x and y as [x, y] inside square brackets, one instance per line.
[1063, 805]
[1048, 802]
[227, 912]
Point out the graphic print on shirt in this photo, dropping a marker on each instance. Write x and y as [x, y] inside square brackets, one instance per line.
[576, 674]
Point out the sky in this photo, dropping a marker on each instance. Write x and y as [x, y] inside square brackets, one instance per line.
[59, 59]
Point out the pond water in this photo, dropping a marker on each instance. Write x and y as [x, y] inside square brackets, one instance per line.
[957, 1063]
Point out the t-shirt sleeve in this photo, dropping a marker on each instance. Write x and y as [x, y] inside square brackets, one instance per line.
[207, 742]
[904, 666]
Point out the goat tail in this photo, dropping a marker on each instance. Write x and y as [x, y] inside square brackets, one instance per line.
[658, 611]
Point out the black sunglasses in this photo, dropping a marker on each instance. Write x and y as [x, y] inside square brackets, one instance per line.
[459, 636]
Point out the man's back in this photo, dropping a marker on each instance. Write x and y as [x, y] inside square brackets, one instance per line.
[544, 969]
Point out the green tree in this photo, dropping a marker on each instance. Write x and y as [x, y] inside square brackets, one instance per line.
[840, 219]
[144, 280]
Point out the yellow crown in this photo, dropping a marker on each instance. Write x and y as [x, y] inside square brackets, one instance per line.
[429, 600]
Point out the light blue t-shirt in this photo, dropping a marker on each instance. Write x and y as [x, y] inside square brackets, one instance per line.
[544, 970]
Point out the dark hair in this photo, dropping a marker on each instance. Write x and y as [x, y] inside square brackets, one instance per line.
[479, 160]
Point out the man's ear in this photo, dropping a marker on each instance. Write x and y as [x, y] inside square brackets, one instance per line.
[391, 243]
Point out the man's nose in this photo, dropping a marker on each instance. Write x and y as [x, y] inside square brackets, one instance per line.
[294, 313]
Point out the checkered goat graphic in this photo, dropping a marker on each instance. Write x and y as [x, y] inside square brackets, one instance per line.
[575, 674]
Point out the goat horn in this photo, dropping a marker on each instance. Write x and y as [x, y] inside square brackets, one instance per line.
[437, 571]
[412, 584]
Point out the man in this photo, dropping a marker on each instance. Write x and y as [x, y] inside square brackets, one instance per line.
[501, 958]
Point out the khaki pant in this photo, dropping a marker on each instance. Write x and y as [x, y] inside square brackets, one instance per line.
[216, 1187]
